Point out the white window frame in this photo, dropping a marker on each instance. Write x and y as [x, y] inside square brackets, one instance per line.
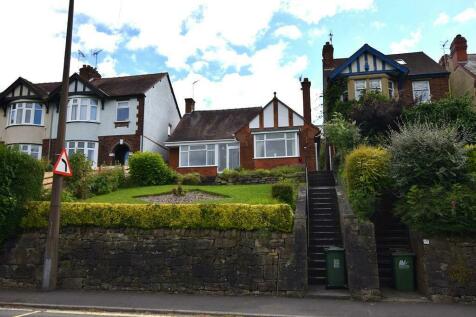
[169, 129]
[19, 147]
[415, 98]
[89, 106]
[391, 90]
[357, 94]
[119, 106]
[185, 148]
[86, 148]
[285, 139]
[379, 89]
[22, 106]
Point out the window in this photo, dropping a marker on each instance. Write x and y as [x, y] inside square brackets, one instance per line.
[390, 89]
[360, 86]
[122, 113]
[34, 150]
[421, 91]
[26, 113]
[401, 61]
[169, 129]
[278, 144]
[197, 155]
[87, 148]
[83, 109]
[375, 85]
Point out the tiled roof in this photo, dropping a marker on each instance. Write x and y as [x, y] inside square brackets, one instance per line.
[418, 63]
[212, 124]
[471, 64]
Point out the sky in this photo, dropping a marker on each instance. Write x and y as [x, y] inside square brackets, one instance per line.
[236, 52]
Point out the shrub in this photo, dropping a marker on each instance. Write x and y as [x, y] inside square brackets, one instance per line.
[366, 176]
[191, 179]
[66, 195]
[471, 159]
[147, 168]
[153, 216]
[21, 180]
[236, 175]
[283, 192]
[425, 154]
[106, 181]
[341, 133]
[440, 210]
[78, 184]
[457, 111]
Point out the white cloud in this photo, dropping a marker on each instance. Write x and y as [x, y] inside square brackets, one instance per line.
[442, 19]
[378, 25]
[317, 32]
[107, 67]
[466, 15]
[406, 44]
[90, 39]
[288, 31]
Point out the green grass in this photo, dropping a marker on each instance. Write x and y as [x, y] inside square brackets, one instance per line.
[246, 194]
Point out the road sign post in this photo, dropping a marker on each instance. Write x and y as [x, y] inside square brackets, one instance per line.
[50, 267]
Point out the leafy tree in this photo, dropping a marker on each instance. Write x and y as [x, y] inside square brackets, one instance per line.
[341, 133]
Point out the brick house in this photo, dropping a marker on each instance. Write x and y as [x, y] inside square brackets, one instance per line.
[410, 77]
[462, 68]
[107, 118]
[209, 142]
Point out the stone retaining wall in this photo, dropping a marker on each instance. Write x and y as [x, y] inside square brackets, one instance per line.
[360, 252]
[446, 267]
[171, 260]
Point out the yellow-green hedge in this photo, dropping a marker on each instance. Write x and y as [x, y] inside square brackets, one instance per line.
[277, 217]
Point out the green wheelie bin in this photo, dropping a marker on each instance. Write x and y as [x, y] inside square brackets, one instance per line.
[404, 271]
[335, 267]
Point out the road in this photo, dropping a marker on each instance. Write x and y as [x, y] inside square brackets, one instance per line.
[17, 312]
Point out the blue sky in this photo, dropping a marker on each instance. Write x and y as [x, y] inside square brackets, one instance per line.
[239, 51]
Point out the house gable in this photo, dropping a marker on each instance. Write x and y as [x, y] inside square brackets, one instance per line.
[276, 114]
[368, 60]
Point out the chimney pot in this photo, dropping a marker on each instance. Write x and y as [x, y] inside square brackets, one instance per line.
[189, 105]
[88, 72]
[306, 99]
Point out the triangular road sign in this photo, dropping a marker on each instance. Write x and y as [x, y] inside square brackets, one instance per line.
[62, 166]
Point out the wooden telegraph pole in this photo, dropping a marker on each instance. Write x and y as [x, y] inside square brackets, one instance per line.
[50, 268]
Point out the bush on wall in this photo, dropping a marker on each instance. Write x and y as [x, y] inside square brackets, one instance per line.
[366, 176]
[425, 154]
[147, 168]
[21, 180]
[154, 216]
[440, 210]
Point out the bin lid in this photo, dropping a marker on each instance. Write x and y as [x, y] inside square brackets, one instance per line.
[334, 248]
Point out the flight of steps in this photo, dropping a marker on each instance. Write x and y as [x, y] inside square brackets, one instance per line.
[324, 228]
[390, 235]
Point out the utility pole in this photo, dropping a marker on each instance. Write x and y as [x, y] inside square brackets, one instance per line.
[50, 268]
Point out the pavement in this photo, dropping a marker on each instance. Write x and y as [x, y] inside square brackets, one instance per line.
[63, 303]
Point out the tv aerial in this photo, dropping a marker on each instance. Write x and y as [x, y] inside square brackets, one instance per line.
[95, 53]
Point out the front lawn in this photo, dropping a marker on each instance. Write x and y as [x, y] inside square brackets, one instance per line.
[245, 194]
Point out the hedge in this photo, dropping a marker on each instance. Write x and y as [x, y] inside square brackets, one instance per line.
[277, 217]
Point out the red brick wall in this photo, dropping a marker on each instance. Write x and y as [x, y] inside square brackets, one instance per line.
[108, 143]
[439, 88]
[45, 146]
[174, 163]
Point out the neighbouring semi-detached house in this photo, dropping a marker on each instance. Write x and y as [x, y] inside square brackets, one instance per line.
[107, 118]
[462, 67]
[410, 77]
[209, 142]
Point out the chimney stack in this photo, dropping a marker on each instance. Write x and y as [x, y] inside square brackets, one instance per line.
[89, 73]
[306, 99]
[328, 56]
[458, 50]
[189, 105]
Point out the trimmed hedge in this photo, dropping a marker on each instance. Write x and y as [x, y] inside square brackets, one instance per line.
[153, 216]
[147, 168]
[283, 192]
[366, 176]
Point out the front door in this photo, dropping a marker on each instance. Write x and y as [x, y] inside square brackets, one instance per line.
[233, 156]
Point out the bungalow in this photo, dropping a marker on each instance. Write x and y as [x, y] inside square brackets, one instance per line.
[107, 118]
[208, 142]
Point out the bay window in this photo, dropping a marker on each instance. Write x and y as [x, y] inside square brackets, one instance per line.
[83, 109]
[122, 113]
[276, 144]
[375, 85]
[360, 86]
[87, 148]
[26, 113]
[34, 150]
[197, 155]
[421, 91]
